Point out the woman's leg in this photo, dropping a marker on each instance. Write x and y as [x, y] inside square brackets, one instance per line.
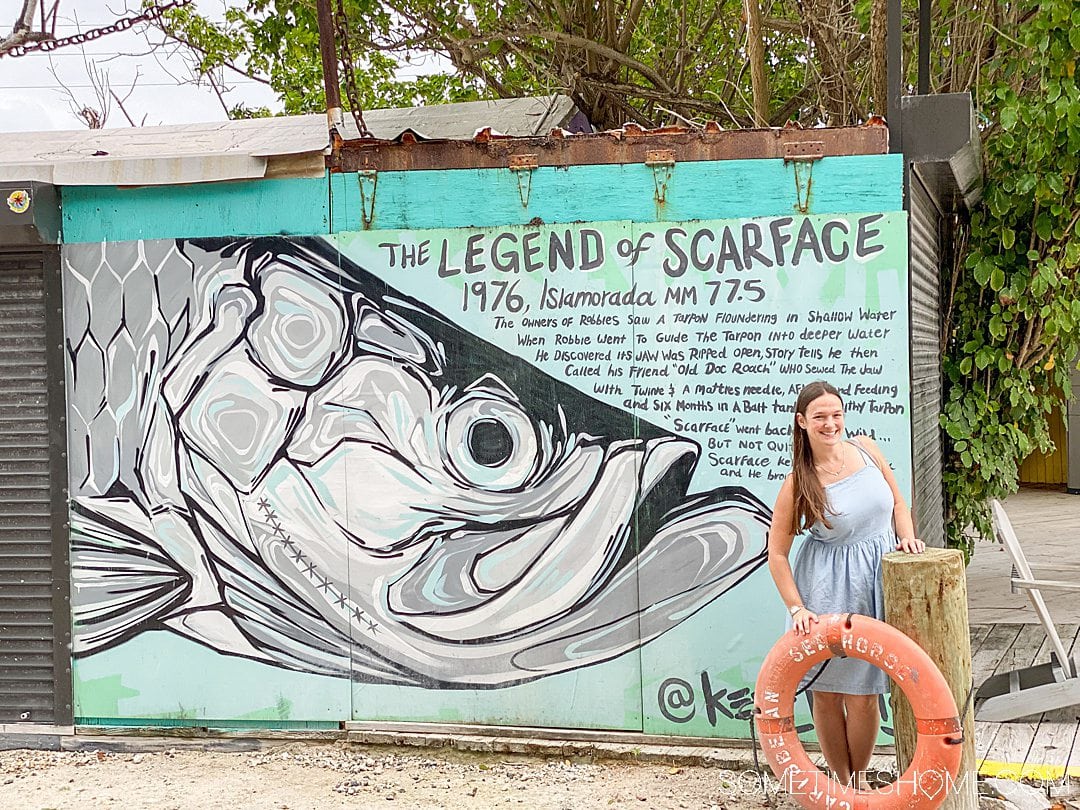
[863, 720]
[832, 733]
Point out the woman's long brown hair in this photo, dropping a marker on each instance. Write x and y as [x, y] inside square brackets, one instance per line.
[811, 504]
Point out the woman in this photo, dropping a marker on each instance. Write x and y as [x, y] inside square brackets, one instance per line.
[845, 494]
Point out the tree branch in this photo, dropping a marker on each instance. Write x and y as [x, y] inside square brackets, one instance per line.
[23, 29]
[582, 43]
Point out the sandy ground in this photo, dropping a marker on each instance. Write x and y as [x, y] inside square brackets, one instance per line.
[323, 777]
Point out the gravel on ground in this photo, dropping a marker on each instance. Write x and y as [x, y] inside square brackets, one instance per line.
[307, 776]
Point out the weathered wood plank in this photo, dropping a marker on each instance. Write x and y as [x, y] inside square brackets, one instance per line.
[1051, 749]
[1014, 741]
[1026, 642]
[984, 661]
[1072, 762]
[978, 634]
[120, 744]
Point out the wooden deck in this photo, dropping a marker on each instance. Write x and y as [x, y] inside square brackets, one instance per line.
[1047, 524]
[1043, 747]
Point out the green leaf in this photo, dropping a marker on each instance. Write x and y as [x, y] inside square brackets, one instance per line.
[997, 327]
[997, 279]
[955, 431]
[1008, 238]
[1044, 227]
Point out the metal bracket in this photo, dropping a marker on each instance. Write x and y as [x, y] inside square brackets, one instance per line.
[804, 150]
[523, 166]
[803, 154]
[369, 180]
[662, 163]
[804, 180]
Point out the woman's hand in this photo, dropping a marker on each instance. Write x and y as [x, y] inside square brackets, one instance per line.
[803, 620]
[912, 545]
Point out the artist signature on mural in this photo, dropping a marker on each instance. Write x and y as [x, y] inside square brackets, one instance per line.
[679, 701]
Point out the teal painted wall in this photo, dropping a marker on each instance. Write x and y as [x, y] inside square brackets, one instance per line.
[240, 208]
[208, 332]
[476, 198]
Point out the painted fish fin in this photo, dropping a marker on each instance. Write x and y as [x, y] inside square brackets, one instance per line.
[123, 581]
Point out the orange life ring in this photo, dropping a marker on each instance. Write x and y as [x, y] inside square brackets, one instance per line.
[934, 768]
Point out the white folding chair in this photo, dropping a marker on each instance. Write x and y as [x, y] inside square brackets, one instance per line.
[1040, 688]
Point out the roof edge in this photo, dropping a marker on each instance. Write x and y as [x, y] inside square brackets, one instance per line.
[631, 144]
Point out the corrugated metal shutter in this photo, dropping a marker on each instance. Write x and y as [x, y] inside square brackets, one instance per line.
[33, 577]
[925, 256]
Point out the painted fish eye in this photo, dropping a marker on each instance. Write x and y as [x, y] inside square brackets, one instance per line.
[490, 442]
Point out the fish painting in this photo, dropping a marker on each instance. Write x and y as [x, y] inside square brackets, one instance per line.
[278, 455]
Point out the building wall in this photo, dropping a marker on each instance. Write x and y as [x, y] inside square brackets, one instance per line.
[928, 507]
[508, 455]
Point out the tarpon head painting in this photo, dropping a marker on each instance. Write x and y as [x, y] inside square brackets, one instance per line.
[278, 455]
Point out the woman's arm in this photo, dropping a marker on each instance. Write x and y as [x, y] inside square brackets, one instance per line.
[905, 527]
[780, 540]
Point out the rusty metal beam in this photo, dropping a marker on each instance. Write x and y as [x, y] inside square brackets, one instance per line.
[630, 145]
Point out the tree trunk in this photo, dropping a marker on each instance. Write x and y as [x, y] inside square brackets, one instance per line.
[755, 51]
[879, 90]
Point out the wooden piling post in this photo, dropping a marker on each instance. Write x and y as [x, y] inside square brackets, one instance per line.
[926, 598]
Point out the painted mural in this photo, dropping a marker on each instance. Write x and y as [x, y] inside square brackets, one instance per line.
[464, 460]
[315, 471]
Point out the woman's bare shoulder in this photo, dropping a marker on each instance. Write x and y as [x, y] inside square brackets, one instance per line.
[870, 446]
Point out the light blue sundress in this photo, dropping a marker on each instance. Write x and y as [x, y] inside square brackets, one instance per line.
[838, 570]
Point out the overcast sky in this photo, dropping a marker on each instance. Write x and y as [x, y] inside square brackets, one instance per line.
[31, 98]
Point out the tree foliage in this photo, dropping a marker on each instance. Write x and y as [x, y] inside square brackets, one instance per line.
[620, 60]
[1011, 303]
[1012, 317]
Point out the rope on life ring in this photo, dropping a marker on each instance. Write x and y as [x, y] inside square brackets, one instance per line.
[936, 763]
